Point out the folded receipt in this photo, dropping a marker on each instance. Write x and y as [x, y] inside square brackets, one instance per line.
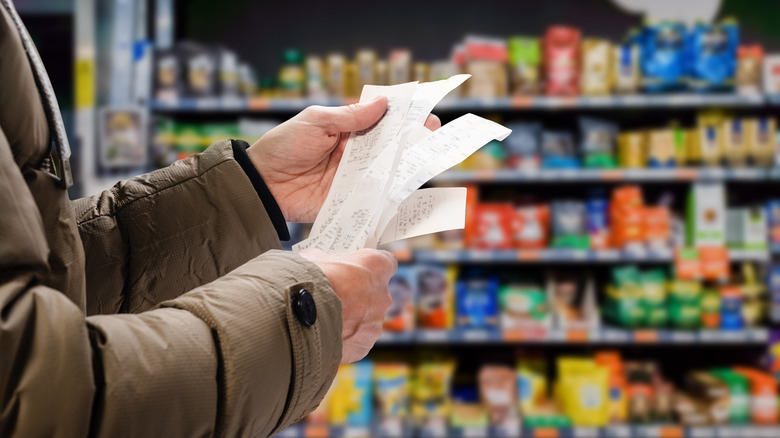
[375, 197]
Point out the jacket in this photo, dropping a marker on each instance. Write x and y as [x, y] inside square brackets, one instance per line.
[160, 307]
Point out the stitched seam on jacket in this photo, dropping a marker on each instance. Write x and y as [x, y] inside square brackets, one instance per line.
[121, 207]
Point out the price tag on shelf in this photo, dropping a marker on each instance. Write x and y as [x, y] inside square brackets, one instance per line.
[671, 432]
[315, 431]
[433, 335]
[356, 432]
[474, 432]
[258, 104]
[576, 335]
[702, 432]
[734, 432]
[646, 336]
[586, 432]
[522, 101]
[617, 432]
[615, 335]
[476, 335]
[682, 337]
[545, 432]
[525, 255]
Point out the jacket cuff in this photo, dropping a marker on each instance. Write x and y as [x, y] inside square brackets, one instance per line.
[273, 369]
[271, 207]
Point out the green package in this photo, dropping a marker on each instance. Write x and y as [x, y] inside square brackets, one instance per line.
[739, 395]
[522, 303]
[623, 276]
[214, 132]
[624, 307]
[685, 315]
[653, 284]
[188, 138]
[656, 317]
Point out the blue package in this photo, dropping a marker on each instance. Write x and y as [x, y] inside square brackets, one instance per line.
[597, 219]
[364, 371]
[558, 150]
[477, 303]
[662, 57]
[711, 52]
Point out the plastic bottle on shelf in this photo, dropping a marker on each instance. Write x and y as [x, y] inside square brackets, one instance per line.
[292, 76]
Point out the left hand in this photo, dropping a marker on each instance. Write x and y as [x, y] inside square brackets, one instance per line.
[297, 159]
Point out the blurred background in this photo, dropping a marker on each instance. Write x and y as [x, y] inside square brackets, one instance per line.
[618, 272]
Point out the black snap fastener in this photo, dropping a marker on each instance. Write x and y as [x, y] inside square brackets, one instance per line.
[304, 307]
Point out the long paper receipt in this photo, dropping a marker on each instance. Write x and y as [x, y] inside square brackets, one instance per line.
[375, 197]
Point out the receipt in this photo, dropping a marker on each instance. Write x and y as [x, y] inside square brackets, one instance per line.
[374, 197]
[427, 211]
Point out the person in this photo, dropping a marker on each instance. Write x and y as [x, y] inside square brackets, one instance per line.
[163, 306]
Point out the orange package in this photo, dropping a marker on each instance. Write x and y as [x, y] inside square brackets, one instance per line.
[626, 216]
[492, 226]
[763, 395]
[714, 262]
[472, 201]
[656, 224]
[531, 227]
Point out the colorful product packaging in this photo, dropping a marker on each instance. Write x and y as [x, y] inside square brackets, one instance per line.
[498, 393]
[739, 394]
[707, 215]
[531, 226]
[436, 287]
[336, 76]
[485, 59]
[522, 146]
[772, 74]
[431, 391]
[749, 59]
[598, 143]
[569, 225]
[712, 56]
[561, 49]
[618, 401]
[392, 394]
[731, 308]
[523, 305]
[632, 150]
[315, 78]
[760, 136]
[773, 219]
[477, 303]
[661, 148]
[735, 142]
[532, 384]
[625, 67]
[400, 66]
[492, 227]
[596, 210]
[595, 77]
[763, 396]
[583, 391]
[558, 150]
[351, 400]
[525, 56]
[663, 63]
[746, 228]
[403, 289]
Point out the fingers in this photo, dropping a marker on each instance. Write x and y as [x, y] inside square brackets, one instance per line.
[432, 122]
[353, 117]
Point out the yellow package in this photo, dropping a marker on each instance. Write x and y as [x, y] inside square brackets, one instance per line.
[681, 146]
[595, 79]
[431, 391]
[708, 141]
[583, 389]
[760, 136]
[391, 391]
[351, 86]
[632, 150]
[735, 145]
[661, 148]
[531, 384]
[344, 397]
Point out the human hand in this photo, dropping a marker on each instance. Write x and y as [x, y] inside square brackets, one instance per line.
[297, 159]
[360, 280]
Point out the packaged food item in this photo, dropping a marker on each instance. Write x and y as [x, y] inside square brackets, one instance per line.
[735, 145]
[618, 400]
[662, 57]
[569, 225]
[731, 308]
[632, 150]
[188, 140]
[685, 304]
[351, 399]
[661, 148]
[531, 383]
[292, 76]
[431, 391]
[749, 60]
[759, 134]
[558, 150]
[525, 55]
[626, 218]
[573, 301]
[712, 55]
[366, 67]
[467, 414]
[682, 141]
[710, 309]
[595, 77]
[392, 385]
[625, 67]
[657, 228]
[400, 61]
[773, 220]
[639, 391]
[712, 392]
[485, 59]
[690, 411]
[561, 47]
[707, 215]
[598, 143]
[746, 228]
[531, 226]
[336, 75]
[402, 289]
[523, 306]
[708, 142]
[498, 393]
[228, 74]
[596, 209]
[420, 72]
[492, 227]
[351, 88]
[383, 72]
[247, 80]
[168, 75]
[772, 74]
[738, 395]
[523, 145]
[435, 286]
[753, 296]
[315, 78]
[477, 302]
[763, 395]
[663, 402]
[583, 391]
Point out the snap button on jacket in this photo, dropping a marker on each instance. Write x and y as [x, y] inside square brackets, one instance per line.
[160, 307]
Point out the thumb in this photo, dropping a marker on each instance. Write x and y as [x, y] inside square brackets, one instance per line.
[357, 116]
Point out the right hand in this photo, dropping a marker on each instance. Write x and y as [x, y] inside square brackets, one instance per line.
[360, 280]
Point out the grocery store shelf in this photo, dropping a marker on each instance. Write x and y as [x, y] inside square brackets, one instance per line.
[665, 431]
[564, 256]
[617, 175]
[604, 335]
[468, 104]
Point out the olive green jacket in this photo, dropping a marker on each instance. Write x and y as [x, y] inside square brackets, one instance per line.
[161, 307]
